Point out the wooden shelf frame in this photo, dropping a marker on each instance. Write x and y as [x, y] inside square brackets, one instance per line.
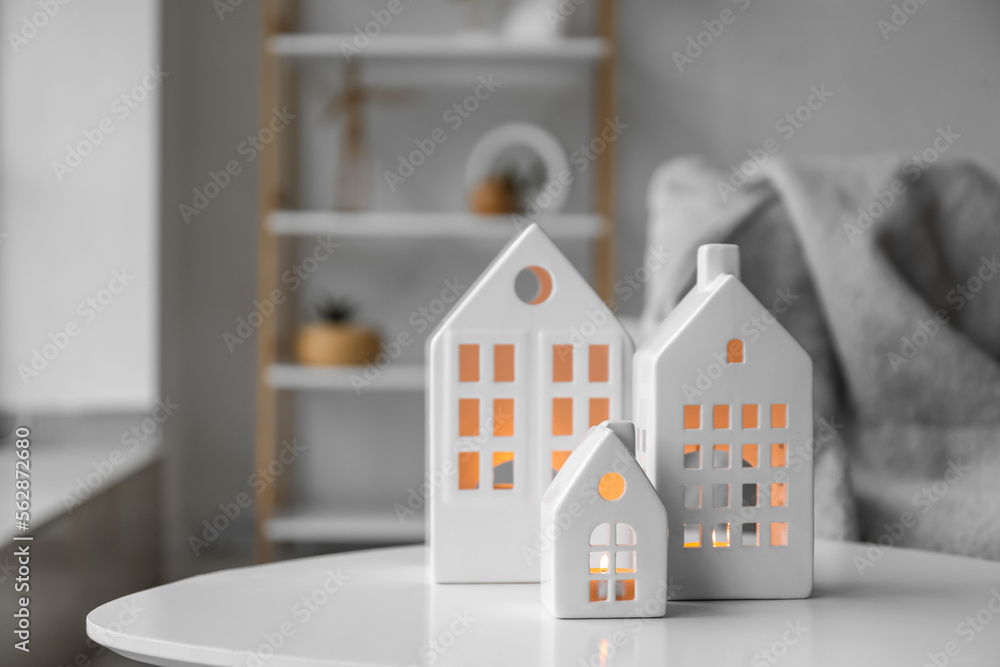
[281, 224]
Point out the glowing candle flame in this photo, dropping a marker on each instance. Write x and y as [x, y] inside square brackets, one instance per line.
[604, 563]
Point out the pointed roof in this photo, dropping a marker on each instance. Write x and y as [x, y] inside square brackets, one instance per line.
[492, 302]
[718, 288]
[608, 447]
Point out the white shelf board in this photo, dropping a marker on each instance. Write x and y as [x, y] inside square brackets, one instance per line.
[403, 224]
[439, 47]
[328, 524]
[396, 377]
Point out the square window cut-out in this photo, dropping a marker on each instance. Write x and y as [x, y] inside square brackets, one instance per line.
[779, 415]
[503, 417]
[558, 459]
[503, 470]
[468, 417]
[749, 495]
[751, 416]
[600, 408]
[503, 363]
[750, 456]
[468, 363]
[598, 590]
[720, 535]
[692, 457]
[751, 535]
[692, 496]
[720, 456]
[779, 458]
[779, 494]
[692, 535]
[599, 536]
[562, 416]
[692, 417]
[624, 561]
[598, 363]
[468, 470]
[720, 495]
[779, 534]
[624, 534]
[562, 363]
[625, 589]
[599, 562]
[720, 417]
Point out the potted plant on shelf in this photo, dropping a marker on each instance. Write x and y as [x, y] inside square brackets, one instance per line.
[335, 340]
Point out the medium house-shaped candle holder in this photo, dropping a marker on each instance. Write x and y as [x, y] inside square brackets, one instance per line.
[723, 405]
[604, 552]
[524, 364]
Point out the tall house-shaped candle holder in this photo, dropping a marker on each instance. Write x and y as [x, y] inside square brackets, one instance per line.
[723, 406]
[522, 366]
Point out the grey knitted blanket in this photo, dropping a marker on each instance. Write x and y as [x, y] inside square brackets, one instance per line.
[885, 270]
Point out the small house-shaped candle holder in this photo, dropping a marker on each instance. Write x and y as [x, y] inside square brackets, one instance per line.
[515, 378]
[605, 530]
[723, 405]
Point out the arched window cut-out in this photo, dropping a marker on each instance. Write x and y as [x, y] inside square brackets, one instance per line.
[599, 536]
[735, 351]
[533, 285]
[624, 534]
[611, 486]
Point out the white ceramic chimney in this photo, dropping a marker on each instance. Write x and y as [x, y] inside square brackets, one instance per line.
[717, 259]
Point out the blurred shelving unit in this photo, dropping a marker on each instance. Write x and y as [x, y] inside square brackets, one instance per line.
[281, 225]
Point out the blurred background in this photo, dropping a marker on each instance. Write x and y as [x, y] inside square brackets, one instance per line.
[227, 227]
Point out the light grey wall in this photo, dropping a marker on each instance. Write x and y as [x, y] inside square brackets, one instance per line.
[937, 70]
[79, 112]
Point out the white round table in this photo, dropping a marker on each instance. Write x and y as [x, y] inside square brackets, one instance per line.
[870, 606]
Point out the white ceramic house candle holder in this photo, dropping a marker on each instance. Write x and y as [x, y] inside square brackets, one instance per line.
[723, 405]
[515, 378]
[605, 529]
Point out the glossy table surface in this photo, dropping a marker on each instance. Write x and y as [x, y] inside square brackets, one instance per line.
[870, 606]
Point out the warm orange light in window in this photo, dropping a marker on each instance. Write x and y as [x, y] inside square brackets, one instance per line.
[779, 415]
[751, 416]
[720, 416]
[750, 457]
[692, 536]
[598, 590]
[562, 363]
[778, 455]
[720, 535]
[779, 494]
[468, 416]
[500, 481]
[735, 350]
[559, 459]
[625, 589]
[598, 363]
[503, 416]
[468, 470]
[562, 416]
[692, 416]
[468, 363]
[779, 534]
[503, 363]
[600, 408]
